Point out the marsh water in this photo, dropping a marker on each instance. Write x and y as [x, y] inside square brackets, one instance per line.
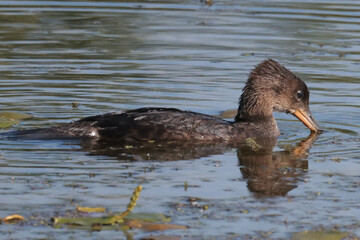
[117, 55]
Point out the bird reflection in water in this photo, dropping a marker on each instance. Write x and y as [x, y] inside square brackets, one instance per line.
[275, 173]
[268, 172]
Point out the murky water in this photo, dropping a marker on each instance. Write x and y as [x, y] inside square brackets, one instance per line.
[112, 56]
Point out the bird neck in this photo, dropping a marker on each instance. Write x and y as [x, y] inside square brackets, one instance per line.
[254, 108]
[263, 126]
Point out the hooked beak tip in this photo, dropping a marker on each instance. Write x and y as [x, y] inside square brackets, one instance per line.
[307, 119]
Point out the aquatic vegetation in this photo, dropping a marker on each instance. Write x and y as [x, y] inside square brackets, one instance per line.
[8, 119]
[321, 235]
[124, 220]
[114, 221]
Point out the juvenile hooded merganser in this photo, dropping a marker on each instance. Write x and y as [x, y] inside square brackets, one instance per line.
[270, 87]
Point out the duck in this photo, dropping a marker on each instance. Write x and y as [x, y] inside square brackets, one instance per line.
[270, 87]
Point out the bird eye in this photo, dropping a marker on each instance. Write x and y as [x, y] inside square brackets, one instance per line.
[299, 94]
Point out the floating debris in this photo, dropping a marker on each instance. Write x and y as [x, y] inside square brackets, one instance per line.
[15, 218]
[90, 209]
[321, 235]
[125, 220]
[75, 105]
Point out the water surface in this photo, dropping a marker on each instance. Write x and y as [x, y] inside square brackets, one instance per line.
[117, 55]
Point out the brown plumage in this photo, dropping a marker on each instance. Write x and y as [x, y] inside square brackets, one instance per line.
[270, 87]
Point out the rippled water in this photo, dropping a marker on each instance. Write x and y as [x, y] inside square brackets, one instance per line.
[112, 56]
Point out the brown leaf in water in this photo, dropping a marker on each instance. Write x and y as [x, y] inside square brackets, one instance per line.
[161, 237]
[147, 226]
[13, 219]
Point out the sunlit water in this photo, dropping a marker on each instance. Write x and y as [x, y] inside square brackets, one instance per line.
[112, 56]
